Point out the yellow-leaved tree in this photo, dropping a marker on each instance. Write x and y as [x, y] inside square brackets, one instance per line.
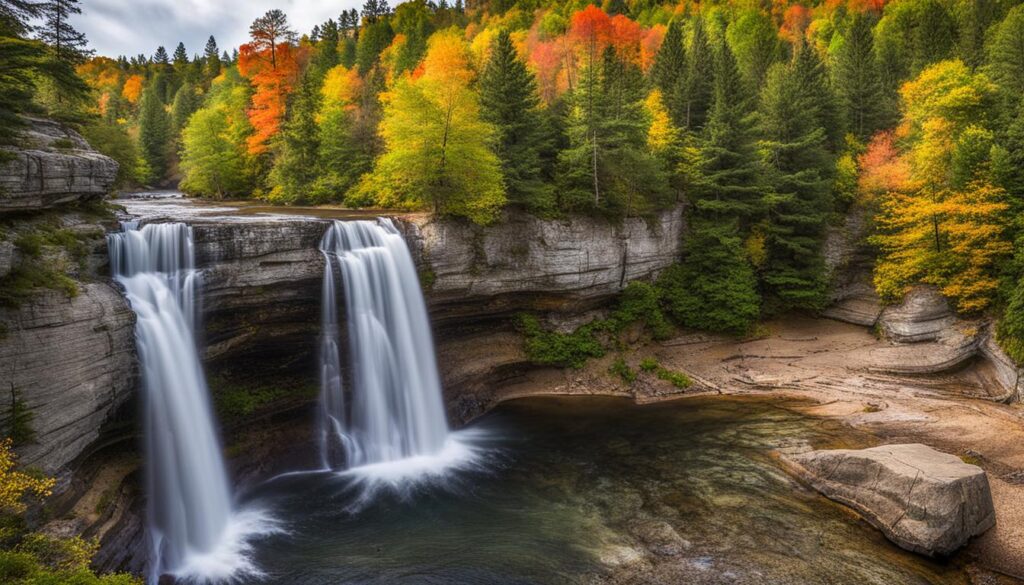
[438, 152]
[943, 223]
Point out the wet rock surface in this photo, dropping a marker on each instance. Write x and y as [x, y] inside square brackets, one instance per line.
[924, 500]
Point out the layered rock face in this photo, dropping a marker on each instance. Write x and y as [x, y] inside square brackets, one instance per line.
[71, 364]
[924, 500]
[527, 263]
[55, 166]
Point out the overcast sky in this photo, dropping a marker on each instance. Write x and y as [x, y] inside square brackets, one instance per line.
[131, 27]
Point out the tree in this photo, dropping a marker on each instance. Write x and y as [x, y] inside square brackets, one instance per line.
[856, 79]
[214, 162]
[700, 77]
[186, 102]
[296, 162]
[438, 151]
[268, 32]
[755, 43]
[180, 59]
[346, 135]
[714, 288]
[19, 60]
[606, 166]
[509, 101]
[793, 147]
[273, 74]
[68, 44]
[161, 57]
[730, 184]
[1007, 56]
[211, 59]
[16, 16]
[373, 39]
[153, 135]
[670, 70]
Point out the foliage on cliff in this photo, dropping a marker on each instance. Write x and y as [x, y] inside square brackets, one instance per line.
[35, 558]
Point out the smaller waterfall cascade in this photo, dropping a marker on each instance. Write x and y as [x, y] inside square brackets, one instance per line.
[396, 410]
[190, 506]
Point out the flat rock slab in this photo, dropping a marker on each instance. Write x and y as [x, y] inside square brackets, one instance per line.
[924, 500]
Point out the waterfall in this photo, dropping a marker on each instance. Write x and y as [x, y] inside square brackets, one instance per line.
[396, 412]
[190, 523]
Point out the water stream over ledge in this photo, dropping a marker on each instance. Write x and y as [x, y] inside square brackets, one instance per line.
[584, 490]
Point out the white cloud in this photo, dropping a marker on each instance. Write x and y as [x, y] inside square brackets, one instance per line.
[132, 27]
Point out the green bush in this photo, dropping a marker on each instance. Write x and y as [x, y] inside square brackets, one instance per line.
[641, 303]
[649, 365]
[1010, 332]
[621, 369]
[550, 348]
[677, 379]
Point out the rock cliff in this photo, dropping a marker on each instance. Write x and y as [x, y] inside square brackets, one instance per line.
[54, 166]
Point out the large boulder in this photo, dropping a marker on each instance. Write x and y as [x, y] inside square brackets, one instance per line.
[54, 165]
[924, 500]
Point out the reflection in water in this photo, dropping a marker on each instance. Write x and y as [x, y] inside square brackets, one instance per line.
[586, 490]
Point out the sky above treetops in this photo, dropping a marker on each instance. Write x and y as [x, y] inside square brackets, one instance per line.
[132, 27]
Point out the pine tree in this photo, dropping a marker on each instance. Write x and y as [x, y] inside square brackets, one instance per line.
[822, 101]
[1007, 57]
[856, 79]
[296, 164]
[16, 16]
[700, 77]
[270, 30]
[67, 44]
[153, 135]
[669, 72]
[211, 59]
[754, 40]
[161, 57]
[509, 101]
[729, 187]
[186, 102]
[714, 288]
[327, 55]
[606, 167]
[794, 148]
[180, 58]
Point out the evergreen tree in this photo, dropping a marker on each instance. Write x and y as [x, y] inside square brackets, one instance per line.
[373, 40]
[180, 58]
[607, 167]
[16, 16]
[794, 148]
[211, 59]
[186, 102]
[669, 72]
[730, 183]
[509, 101]
[754, 40]
[161, 57]
[67, 44]
[296, 164]
[822, 101]
[1007, 57]
[714, 288]
[327, 49]
[700, 77]
[153, 136]
[856, 79]
[268, 31]
[934, 34]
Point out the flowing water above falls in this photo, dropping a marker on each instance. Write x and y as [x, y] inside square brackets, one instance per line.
[596, 490]
[193, 531]
[395, 424]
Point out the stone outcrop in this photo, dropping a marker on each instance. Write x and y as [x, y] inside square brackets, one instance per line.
[72, 363]
[849, 262]
[924, 500]
[527, 263]
[54, 166]
[924, 315]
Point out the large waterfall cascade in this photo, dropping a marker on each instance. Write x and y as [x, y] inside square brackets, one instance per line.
[396, 412]
[193, 531]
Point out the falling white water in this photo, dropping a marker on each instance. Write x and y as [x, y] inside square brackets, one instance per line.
[396, 413]
[193, 533]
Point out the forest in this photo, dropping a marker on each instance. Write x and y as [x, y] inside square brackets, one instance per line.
[772, 122]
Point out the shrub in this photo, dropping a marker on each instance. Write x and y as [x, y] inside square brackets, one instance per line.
[560, 349]
[621, 369]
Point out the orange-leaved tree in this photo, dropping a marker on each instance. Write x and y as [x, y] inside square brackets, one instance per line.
[941, 220]
[273, 74]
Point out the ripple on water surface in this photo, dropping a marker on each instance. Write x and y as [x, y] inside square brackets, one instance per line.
[584, 490]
